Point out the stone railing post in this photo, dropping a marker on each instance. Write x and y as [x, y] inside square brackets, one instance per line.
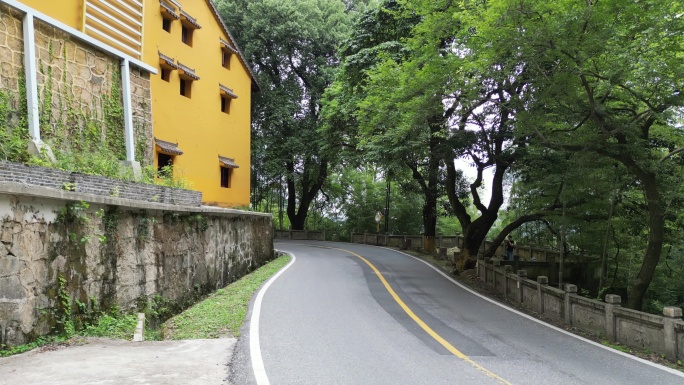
[365, 237]
[569, 291]
[541, 281]
[670, 315]
[290, 235]
[612, 301]
[442, 252]
[522, 275]
[507, 270]
[496, 263]
[324, 234]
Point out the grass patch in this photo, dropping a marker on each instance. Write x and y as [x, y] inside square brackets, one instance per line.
[41, 341]
[616, 346]
[223, 312]
[112, 326]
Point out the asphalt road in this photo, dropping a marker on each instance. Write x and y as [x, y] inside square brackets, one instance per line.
[330, 319]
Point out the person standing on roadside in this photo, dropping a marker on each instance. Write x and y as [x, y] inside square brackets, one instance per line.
[510, 244]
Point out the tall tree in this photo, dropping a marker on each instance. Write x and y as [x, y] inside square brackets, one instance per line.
[605, 78]
[292, 45]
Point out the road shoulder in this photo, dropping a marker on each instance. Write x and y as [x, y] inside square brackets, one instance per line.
[107, 361]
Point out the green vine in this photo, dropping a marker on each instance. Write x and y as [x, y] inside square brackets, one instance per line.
[63, 311]
[85, 138]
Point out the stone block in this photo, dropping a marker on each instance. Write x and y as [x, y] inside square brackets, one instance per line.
[570, 288]
[672, 312]
[42, 40]
[11, 289]
[613, 299]
[6, 55]
[15, 44]
[69, 50]
[80, 56]
[18, 59]
[100, 66]
[542, 280]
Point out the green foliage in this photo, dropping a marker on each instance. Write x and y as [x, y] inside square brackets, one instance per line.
[159, 309]
[63, 312]
[13, 140]
[40, 341]
[301, 39]
[112, 325]
[223, 312]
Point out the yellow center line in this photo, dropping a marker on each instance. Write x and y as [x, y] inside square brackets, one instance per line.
[423, 325]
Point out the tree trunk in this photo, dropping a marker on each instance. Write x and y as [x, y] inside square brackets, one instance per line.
[474, 234]
[656, 230]
[430, 220]
[310, 189]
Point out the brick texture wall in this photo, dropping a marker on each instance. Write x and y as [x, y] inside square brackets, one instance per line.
[96, 185]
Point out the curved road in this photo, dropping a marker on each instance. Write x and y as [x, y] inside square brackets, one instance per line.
[354, 314]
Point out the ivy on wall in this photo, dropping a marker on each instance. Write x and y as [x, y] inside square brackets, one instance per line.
[84, 137]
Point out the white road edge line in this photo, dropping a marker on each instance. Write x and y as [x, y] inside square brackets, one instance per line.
[665, 368]
[254, 346]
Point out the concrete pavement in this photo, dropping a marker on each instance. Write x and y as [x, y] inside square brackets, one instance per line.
[103, 361]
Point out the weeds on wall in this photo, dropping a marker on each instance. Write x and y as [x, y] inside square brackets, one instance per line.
[85, 138]
[14, 138]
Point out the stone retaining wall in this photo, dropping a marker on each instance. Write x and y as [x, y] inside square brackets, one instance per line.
[114, 252]
[75, 82]
[96, 185]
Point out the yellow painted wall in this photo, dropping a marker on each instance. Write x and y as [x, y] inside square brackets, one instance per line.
[69, 12]
[197, 124]
[201, 129]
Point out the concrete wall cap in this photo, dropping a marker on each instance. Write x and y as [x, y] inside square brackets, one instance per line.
[672, 312]
[613, 299]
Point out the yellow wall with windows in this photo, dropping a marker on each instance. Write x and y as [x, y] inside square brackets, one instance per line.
[197, 124]
[69, 12]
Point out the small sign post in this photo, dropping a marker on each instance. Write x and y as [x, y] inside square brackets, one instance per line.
[378, 219]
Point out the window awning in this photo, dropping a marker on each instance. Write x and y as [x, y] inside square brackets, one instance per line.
[226, 46]
[228, 162]
[225, 91]
[187, 72]
[168, 147]
[168, 9]
[189, 21]
[167, 62]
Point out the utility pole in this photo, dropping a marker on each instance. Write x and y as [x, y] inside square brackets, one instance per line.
[562, 250]
[387, 205]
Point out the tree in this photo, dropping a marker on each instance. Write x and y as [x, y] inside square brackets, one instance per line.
[292, 45]
[605, 78]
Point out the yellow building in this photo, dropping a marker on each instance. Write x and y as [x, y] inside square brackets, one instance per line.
[201, 93]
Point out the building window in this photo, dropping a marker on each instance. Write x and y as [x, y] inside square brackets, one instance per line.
[225, 59]
[225, 105]
[225, 177]
[166, 24]
[186, 35]
[186, 88]
[164, 164]
[166, 74]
